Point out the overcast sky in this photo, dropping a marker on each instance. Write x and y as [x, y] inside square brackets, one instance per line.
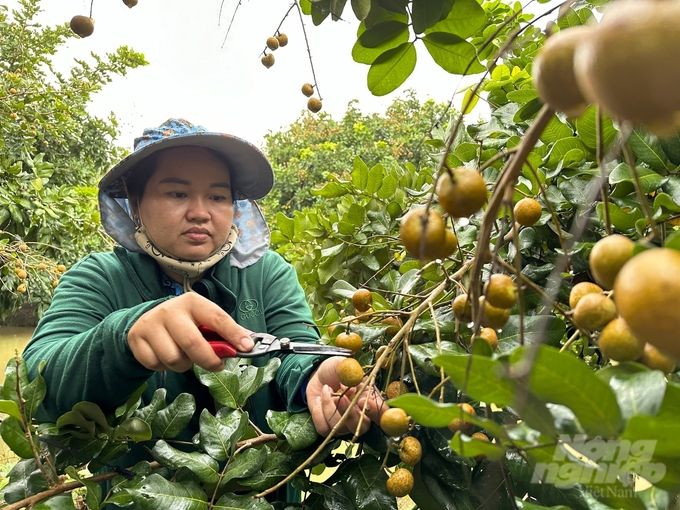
[227, 89]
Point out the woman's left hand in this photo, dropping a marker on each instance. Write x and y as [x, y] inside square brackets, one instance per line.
[328, 400]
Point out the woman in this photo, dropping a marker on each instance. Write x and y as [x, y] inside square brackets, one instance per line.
[193, 250]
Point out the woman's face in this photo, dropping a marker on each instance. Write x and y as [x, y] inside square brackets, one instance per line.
[187, 206]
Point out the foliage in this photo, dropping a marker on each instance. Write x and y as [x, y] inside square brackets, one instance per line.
[317, 147]
[566, 427]
[53, 153]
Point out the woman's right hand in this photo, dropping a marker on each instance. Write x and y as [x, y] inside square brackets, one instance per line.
[167, 336]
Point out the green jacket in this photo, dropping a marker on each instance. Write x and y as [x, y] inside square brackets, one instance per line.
[83, 334]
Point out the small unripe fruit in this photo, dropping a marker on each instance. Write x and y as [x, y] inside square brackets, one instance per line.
[490, 336]
[267, 60]
[272, 43]
[21, 288]
[527, 212]
[607, 258]
[394, 422]
[395, 388]
[314, 104]
[500, 291]
[362, 299]
[393, 324]
[656, 360]
[54, 283]
[458, 424]
[12, 90]
[400, 483]
[282, 38]
[461, 308]
[23, 247]
[581, 289]
[349, 372]
[493, 316]
[462, 192]
[307, 89]
[594, 311]
[21, 273]
[82, 26]
[410, 450]
[422, 239]
[61, 268]
[351, 341]
[618, 342]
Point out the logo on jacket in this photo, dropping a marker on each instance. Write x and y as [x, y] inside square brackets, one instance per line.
[249, 309]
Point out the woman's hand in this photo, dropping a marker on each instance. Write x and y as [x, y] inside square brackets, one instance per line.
[167, 336]
[327, 407]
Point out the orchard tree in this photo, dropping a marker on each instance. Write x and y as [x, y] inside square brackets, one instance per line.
[53, 153]
[515, 301]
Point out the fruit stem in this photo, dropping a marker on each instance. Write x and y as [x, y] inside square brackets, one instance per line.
[309, 51]
[91, 5]
[630, 160]
[599, 157]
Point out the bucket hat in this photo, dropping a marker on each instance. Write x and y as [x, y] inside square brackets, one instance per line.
[251, 174]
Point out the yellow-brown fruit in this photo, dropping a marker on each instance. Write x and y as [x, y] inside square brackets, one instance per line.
[394, 422]
[481, 436]
[130, 3]
[21, 288]
[351, 341]
[23, 247]
[462, 192]
[362, 299]
[395, 388]
[490, 336]
[42, 266]
[21, 273]
[82, 26]
[12, 90]
[410, 451]
[378, 354]
[527, 212]
[581, 289]
[54, 283]
[647, 293]
[461, 308]
[493, 316]
[500, 291]
[594, 311]
[282, 38]
[314, 104]
[13, 115]
[393, 324]
[629, 65]
[422, 241]
[657, 360]
[307, 89]
[272, 43]
[607, 258]
[458, 424]
[400, 483]
[618, 342]
[350, 372]
[267, 60]
[61, 268]
[448, 246]
[366, 315]
[553, 71]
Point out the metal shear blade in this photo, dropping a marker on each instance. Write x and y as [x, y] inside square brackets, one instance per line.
[268, 344]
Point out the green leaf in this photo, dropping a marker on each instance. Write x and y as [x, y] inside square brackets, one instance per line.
[320, 11]
[331, 189]
[621, 219]
[365, 55]
[479, 377]
[649, 180]
[361, 8]
[275, 468]
[244, 502]
[375, 179]
[224, 385]
[647, 149]
[134, 429]
[465, 19]
[562, 147]
[638, 390]
[391, 69]
[285, 224]
[148, 412]
[10, 408]
[359, 174]
[380, 35]
[587, 132]
[14, 436]
[660, 431]
[556, 130]
[154, 491]
[252, 378]
[561, 378]
[58, 502]
[536, 328]
[172, 420]
[426, 13]
[203, 466]
[356, 215]
[219, 434]
[471, 447]
[245, 464]
[451, 53]
[297, 428]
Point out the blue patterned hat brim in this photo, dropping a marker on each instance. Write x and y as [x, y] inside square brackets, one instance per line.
[250, 172]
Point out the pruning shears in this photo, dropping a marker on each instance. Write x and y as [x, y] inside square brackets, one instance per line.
[269, 344]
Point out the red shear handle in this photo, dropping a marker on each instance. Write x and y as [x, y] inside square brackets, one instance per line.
[221, 347]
